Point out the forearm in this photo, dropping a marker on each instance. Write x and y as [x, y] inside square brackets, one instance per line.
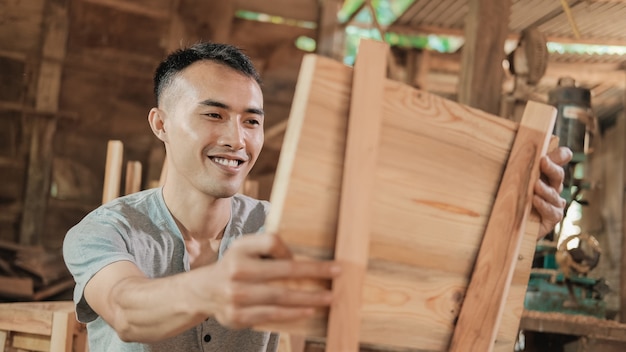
[147, 310]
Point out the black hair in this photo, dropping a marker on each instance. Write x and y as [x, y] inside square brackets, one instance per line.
[178, 60]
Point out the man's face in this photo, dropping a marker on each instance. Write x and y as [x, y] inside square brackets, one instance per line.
[214, 127]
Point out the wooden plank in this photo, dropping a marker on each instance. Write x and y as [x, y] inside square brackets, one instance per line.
[62, 332]
[498, 253]
[31, 342]
[576, 325]
[3, 340]
[330, 35]
[31, 319]
[486, 27]
[435, 189]
[133, 177]
[352, 246]
[113, 171]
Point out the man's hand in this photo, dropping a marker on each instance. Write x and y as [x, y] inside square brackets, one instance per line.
[547, 199]
[248, 295]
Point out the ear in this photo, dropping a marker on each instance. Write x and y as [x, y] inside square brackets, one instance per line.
[156, 119]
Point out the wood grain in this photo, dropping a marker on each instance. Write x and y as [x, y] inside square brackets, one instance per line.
[484, 301]
[113, 171]
[355, 211]
[438, 171]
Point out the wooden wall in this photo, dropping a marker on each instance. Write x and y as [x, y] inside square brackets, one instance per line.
[77, 73]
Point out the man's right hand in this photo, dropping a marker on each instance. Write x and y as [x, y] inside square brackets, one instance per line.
[244, 292]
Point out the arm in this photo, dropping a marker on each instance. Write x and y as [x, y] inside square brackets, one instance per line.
[547, 199]
[234, 290]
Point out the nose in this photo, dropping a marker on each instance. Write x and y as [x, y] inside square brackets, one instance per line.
[232, 135]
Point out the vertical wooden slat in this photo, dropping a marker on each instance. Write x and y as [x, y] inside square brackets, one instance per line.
[113, 171]
[486, 28]
[61, 339]
[133, 177]
[38, 181]
[486, 294]
[352, 246]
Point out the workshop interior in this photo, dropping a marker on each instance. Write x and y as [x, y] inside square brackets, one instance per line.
[75, 87]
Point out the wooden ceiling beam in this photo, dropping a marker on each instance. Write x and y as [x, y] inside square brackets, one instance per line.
[427, 30]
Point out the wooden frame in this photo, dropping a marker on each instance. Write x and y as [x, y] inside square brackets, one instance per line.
[41, 326]
[436, 177]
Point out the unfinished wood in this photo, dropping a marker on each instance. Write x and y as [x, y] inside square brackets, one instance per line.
[577, 325]
[42, 326]
[113, 171]
[330, 35]
[133, 177]
[438, 172]
[352, 244]
[486, 28]
[38, 179]
[493, 271]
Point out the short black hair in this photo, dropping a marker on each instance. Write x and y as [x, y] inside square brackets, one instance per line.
[178, 60]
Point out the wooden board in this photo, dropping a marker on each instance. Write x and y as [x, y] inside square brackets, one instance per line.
[438, 171]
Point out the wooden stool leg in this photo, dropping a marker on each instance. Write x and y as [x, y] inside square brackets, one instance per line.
[3, 340]
[61, 339]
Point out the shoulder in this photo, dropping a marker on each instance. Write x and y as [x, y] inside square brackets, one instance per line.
[248, 214]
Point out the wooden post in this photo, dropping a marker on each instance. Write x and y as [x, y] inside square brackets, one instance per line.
[113, 171]
[352, 247]
[486, 294]
[329, 34]
[54, 38]
[133, 177]
[486, 28]
[38, 178]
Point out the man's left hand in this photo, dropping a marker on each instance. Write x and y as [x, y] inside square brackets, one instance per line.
[547, 199]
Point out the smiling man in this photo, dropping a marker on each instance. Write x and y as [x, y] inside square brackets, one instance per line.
[173, 268]
[159, 270]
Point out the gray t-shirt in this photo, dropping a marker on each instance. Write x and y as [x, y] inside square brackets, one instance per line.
[139, 228]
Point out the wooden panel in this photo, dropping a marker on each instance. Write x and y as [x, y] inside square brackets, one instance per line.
[494, 266]
[20, 25]
[438, 172]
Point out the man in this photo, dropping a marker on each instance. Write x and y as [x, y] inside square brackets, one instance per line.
[160, 270]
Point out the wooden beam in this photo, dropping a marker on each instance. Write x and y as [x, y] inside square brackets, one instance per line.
[112, 171]
[43, 128]
[486, 26]
[353, 229]
[482, 308]
[330, 36]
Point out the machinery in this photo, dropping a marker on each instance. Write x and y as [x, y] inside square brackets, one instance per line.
[559, 281]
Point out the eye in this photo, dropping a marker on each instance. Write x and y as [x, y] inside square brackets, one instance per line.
[254, 121]
[213, 115]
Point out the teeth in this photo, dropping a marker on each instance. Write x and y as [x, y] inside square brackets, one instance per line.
[226, 162]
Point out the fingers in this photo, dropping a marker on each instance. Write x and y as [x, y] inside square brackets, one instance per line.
[560, 156]
[256, 315]
[263, 246]
[266, 257]
[242, 295]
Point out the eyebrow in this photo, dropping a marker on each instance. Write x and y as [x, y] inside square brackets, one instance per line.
[218, 104]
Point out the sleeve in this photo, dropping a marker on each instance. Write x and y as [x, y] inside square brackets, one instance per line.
[97, 241]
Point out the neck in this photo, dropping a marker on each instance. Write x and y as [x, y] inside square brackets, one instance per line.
[198, 216]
